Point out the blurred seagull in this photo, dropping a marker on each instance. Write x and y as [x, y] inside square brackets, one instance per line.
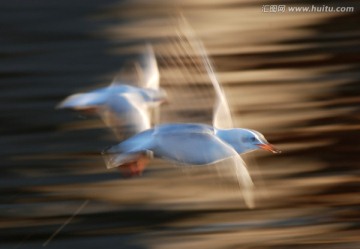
[121, 105]
[194, 144]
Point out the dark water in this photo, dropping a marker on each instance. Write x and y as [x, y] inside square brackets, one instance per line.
[295, 77]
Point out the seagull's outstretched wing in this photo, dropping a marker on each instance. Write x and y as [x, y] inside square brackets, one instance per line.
[222, 116]
[244, 179]
[81, 101]
[151, 76]
[143, 73]
[221, 112]
[151, 79]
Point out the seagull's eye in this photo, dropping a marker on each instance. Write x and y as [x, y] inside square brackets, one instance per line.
[252, 139]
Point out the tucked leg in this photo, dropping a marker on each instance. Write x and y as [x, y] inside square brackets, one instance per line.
[134, 168]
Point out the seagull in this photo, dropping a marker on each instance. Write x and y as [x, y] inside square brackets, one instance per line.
[191, 143]
[122, 105]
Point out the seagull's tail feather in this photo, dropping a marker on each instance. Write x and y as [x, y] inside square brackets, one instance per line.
[116, 160]
[245, 182]
[83, 100]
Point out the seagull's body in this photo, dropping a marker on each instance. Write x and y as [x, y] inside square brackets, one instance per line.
[195, 144]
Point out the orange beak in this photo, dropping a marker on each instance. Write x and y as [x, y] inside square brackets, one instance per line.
[269, 147]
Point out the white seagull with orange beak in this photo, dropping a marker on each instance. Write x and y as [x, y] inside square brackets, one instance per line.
[194, 144]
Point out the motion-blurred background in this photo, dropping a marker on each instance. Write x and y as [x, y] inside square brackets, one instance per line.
[292, 76]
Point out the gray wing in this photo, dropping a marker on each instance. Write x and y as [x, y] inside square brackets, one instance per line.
[191, 148]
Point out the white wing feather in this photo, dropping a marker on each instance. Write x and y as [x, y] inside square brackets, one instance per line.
[222, 115]
[151, 79]
[244, 179]
[151, 71]
[80, 101]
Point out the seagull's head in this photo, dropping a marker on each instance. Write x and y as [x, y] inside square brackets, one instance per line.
[254, 140]
[246, 140]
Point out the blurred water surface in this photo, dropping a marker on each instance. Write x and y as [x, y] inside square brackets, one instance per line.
[292, 76]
